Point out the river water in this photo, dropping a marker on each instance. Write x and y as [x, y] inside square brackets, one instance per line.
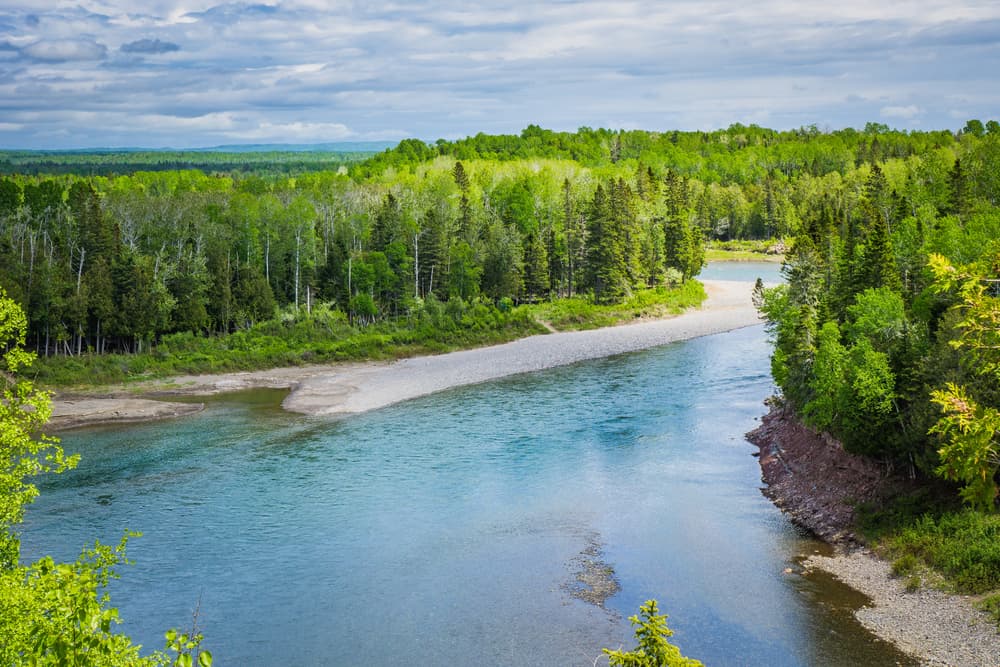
[448, 530]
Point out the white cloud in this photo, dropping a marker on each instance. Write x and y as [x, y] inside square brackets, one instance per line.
[296, 132]
[907, 113]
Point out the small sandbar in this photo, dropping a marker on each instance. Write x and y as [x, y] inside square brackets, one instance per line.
[70, 413]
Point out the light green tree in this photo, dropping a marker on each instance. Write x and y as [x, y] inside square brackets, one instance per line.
[654, 650]
[970, 445]
[54, 614]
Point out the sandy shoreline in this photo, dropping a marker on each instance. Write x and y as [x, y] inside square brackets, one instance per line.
[75, 412]
[342, 389]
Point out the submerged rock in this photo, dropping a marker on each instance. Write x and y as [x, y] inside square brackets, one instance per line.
[593, 579]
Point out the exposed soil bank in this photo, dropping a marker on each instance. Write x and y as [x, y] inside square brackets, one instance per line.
[811, 478]
[356, 387]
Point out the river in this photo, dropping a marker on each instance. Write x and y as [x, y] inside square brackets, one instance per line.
[448, 530]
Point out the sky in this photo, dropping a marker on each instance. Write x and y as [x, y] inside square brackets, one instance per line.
[195, 73]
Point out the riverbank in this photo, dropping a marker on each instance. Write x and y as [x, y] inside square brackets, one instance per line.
[341, 389]
[813, 480]
[70, 413]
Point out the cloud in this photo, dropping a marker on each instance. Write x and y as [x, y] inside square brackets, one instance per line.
[297, 70]
[295, 131]
[907, 113]
[65, 50]
[149, 46]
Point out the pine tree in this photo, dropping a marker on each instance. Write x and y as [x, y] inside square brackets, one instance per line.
[878, 267]
[536, 275]
[461, 178]
[601, 271]
[878, 202]
[958, 191]
[387, 223]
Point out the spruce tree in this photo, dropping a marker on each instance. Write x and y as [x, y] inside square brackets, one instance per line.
[536, 274]
[878, 268]
[387, 223]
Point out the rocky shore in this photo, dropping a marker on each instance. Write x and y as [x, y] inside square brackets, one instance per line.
[812, 479]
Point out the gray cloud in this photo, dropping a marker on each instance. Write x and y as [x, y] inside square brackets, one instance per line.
[297, 68]
[149, 46]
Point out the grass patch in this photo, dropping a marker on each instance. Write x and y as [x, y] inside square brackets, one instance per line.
[991, 605]
[719, 255]
[581, 312]
[744, 251]
[918, 531]
[905, 565]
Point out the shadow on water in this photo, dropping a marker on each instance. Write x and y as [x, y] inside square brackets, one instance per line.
[839, 627]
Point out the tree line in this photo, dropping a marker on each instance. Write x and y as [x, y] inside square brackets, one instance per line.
[111, 264]
[886, 331]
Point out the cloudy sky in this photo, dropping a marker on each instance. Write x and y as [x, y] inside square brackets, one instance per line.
[188, 73]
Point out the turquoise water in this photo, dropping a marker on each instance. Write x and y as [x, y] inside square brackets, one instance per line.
[769, 272]
[446, 530]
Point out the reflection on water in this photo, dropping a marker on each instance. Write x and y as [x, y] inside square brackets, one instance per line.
[447, 529]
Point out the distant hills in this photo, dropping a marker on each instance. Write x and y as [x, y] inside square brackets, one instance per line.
[256, 158]
[328, 147]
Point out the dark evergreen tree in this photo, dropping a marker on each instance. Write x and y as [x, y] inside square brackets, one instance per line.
[387, 223]
[536, 274]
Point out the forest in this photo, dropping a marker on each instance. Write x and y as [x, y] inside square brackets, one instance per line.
[114, 263]
[886, 333]
[290, 159]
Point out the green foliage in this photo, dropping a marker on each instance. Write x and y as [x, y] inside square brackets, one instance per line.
[50, 613]
[23, 411]
[963, 546]
[878, 315]
[187, 649]
[970, 451]
[654, 650]
[263, 161]
[828, 382]
[905, 565]
[991, 605]
[70, 622]
[886, 334]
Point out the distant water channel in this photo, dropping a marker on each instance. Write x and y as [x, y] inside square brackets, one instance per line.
[448, 530]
